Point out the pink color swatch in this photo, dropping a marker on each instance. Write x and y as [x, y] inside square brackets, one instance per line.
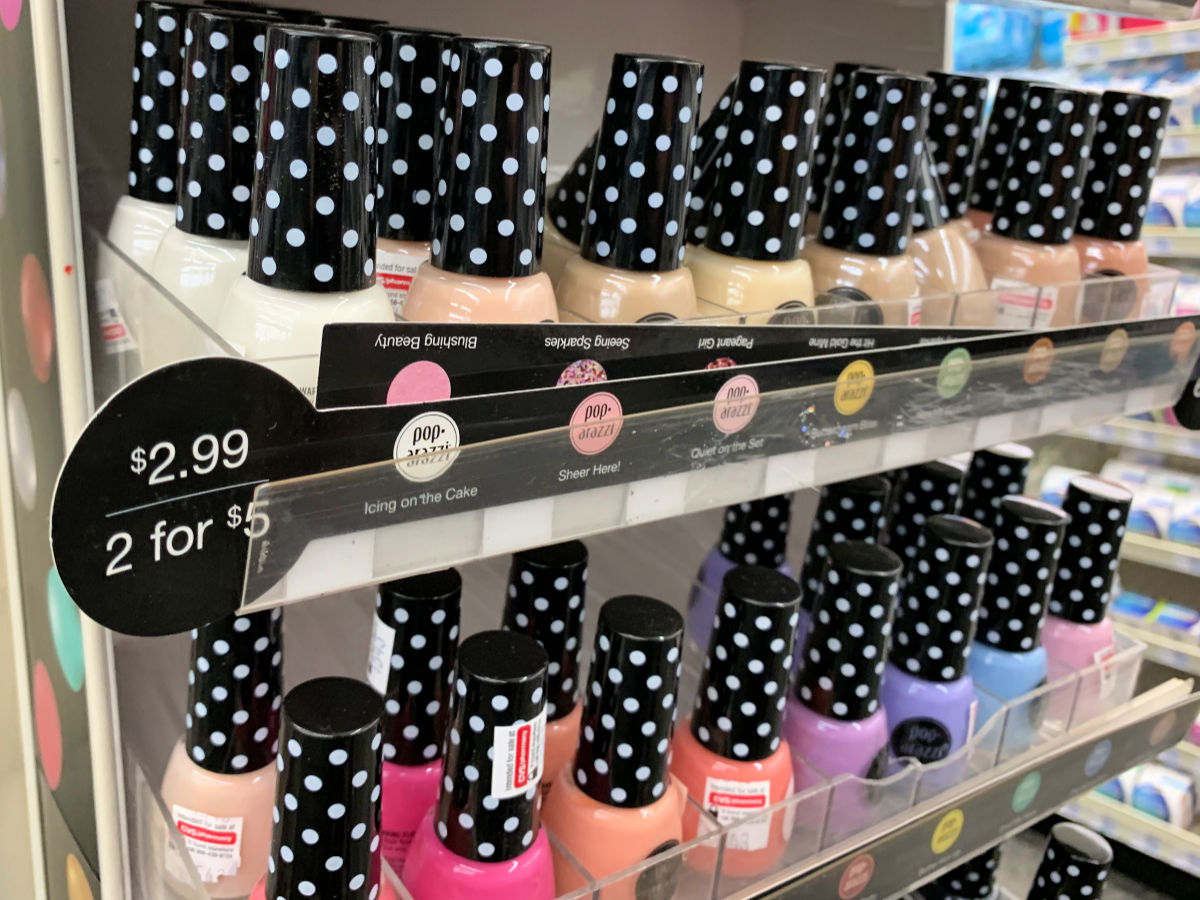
[419, 382]
[48, 725]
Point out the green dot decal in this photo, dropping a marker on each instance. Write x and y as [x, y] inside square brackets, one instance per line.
[954, 373]
[1026, 791]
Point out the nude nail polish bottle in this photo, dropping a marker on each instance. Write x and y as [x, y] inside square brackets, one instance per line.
[1075, 864]
[630, 267]
[834, 721]
[1121, 168]
[566, 206]
[826, 143]
[973, 880]
[411, 80]
[547, 591]
[220, 780]
[312, 223]
[994, 473]
[729, 754]
[858, 255]
[617, 804]
[326, 837]
[708, 145]
[1028, 256]
[749, 260]
[956, 116]
[414, 636]
[484, 837]
[920, 493]
[488, 245]
[998, 142]
[928, 695]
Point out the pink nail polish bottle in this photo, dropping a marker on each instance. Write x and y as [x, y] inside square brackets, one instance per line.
[484, 837]
[413, 641]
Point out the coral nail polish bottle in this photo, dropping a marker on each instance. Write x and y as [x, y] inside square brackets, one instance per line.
[566, 207]
[973, 880]
[485, 835]
[220, 779]
[827, 138]
[326, 837]
[730, 755]
[547, 591]
[921, 492]
[956, 116]
[1075, 864]
[994, 473]
[708, 145]
[998, 141]
[754, 533]
[413, 641]
[946, 263]
[617, 804]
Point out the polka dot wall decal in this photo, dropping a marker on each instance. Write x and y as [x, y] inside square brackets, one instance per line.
[1099, 511]
[956, 118]
[158, 66]
[22, 452]
[997, 141]
[65, 630]
[994, 473]
[47, 726]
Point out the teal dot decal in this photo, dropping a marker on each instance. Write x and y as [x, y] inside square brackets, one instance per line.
[65, 629]
[1026, 791]
[1097, 758]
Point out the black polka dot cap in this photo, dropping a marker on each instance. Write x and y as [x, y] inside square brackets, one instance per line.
[758, 209]
[326, 837]
[930, 209]
[997, 142]
[846, 646]
[872, 181]
[853, 510]
[922, 491]
[1099, 510]
[935, 621]
[994, 473]
[424, 613]
[312, 227]
[489, 807]
[155, 111]
[567, 201]
[1028, 543]
[636, 206]
[1075, 865]
[955, 126]
[830, 128]
[410, 97]
[755, 531]
[709, 142]
[222, 75]
[494, 160]
[547, 589]
[1042, 185]
[973, 880]
[629, 707]
[234, 693]
[743, 690]
[1123, 163]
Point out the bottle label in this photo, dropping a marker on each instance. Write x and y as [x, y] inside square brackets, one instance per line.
[1015, 302]
[395, 846]
[110, 324]
[213, 842]
[518, 756]
[395, 272]
[731, 801]
[1108, 673]
[379, 663]
[925, 740]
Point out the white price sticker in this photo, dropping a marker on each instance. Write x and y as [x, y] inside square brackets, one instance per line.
[518, 756]
[730, 802]
[114, 333]
[213, 842]
[395, 272]
[1015, 302]
[379, 663]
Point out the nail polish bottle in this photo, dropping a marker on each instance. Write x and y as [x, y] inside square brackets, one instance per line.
[921, 492]
[312, 223]
[1029, 244]
[994, 474]
[204, 253]
[488, 245]
[753, 533]
[956, 116]
[707, 148]
[566, 207]
[326, 837]
[834, 722]
[410, 85]
[630, 267]
[220, 779]
[351, 23]
[547, 591]
[998, 141]
[730, 755]
[929, 698]
[617, 804]
[858, 255]
[413, 642]
[1008, 658]
[485, 834]
[147, 210]
[973, 880]
[826, 143]
[1075, 864]
[749, 260]
[1121, 168]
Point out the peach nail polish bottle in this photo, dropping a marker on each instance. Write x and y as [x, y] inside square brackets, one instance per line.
[413, 642]
[220, 780]
[411, 80]
[1123, 163]
[487, 242]
[566, 206]
[956, 116]
[827, 137]
[547, 587]
[708, 146]
[617, 804]
[994, 473]
[730, 754]
[630, 267]
[998, 141]
[749, 260]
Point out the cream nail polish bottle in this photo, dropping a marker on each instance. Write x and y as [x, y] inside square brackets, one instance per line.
[827, 137]
[956, 114]
[312, 225]
[566, 205]
[630, 267]
[410, 85]
[749, 260]
[707, 147]
[1027, 255]
[859, 253]
[993, 154]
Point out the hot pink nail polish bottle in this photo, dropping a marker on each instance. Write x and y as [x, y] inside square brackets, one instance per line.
[484, 838]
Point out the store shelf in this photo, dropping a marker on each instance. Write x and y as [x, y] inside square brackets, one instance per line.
[1177, 243]
[1182, 37]
[1154, 837]
[1174, 650]
[1138, 434]
[1161, 554]
[1181, 143]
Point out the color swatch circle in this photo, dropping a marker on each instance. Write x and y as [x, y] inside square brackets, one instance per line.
[47, 725]
[65, 629]
[77, 880]
[10, 13]
[37, 314]
[22, 454]
[419, 382]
